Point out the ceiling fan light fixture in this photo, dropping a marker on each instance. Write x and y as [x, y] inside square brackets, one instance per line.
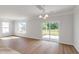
[40, 16]
[43, 14]
[46, 15]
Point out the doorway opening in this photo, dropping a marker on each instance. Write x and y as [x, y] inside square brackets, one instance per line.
[50, 31]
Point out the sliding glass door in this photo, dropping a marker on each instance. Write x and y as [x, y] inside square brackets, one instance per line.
[45, 30]
[50, 31]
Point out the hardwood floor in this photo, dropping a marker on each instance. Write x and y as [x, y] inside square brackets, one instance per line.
[32, 46]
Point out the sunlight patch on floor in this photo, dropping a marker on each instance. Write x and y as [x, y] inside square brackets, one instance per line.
[9, 38]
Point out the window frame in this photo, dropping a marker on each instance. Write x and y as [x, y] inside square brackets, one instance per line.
[4, 27]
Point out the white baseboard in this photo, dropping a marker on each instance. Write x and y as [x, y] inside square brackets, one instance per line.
[65, 43]
[76, 48]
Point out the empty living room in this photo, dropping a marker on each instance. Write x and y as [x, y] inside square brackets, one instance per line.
[39, 29]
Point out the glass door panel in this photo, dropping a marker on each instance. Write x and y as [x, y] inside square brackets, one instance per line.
[45, 30]
[54, 31]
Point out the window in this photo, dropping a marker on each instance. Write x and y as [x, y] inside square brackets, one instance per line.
[22, 27]
[5, 27]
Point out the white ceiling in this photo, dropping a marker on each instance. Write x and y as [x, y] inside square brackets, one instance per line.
[28, 10]
[57, 8]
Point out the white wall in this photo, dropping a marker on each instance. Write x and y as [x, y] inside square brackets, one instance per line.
[76, 28]
[66, 26]
[34, 28]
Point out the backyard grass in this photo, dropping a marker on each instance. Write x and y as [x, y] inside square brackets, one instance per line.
[52, 32]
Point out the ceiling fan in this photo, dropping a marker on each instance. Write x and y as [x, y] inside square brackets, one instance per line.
[43, 14]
